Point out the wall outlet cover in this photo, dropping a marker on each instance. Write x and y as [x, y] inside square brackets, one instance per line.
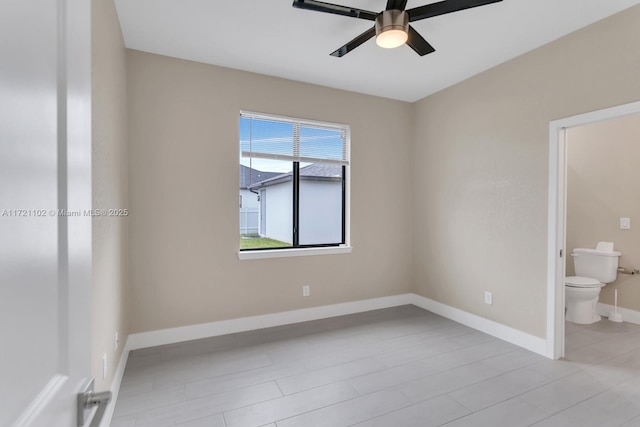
[625, 223]
[488, 298]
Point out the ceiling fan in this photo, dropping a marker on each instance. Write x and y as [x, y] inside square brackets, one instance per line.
[392, 27]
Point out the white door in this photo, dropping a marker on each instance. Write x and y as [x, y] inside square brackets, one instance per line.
[45, 175]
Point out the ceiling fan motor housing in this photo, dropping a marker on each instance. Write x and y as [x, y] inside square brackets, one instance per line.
[392, 20]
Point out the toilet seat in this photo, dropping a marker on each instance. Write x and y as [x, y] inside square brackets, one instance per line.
[582, 282]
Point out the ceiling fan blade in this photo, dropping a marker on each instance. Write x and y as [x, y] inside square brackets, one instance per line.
[342, 51]
[443, 7]
[320, 6]
[396, 4]
[418, 43]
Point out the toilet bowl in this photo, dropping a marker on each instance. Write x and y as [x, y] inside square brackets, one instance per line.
[594, 268]
[581, 297]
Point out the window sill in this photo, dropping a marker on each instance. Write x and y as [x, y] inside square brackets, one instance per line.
[285, 253]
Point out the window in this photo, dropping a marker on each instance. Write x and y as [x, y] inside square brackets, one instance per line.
[292, 183]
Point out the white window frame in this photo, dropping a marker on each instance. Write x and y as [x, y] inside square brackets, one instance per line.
[328, 250]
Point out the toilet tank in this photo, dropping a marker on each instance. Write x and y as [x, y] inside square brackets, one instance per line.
[597, 263]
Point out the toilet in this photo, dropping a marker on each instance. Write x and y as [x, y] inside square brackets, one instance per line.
[594, 269]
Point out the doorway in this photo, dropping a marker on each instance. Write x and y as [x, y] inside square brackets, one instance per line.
[557, 218]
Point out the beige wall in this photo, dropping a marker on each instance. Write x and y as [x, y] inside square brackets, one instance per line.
[603, 179]
[109, 191]
[481, 168]
[184, 267]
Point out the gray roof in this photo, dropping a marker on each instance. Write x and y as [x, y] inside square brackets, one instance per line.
[313, 172]
[249, 176]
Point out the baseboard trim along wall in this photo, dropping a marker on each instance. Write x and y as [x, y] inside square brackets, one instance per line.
[498, 330]
[223, 327]
[628, 315]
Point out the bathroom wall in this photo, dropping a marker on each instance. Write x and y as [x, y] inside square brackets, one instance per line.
[481, 168]
[603, 184]
[184, 167]
[109, 191]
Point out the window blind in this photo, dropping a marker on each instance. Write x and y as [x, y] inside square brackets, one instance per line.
[278, 138]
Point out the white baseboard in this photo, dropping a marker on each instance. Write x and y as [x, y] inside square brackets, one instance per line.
[498, 330]
[628, 315]
[115, 385]
[223, 327]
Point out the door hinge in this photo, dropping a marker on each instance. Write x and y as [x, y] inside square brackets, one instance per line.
[560, 253]
[87, 399]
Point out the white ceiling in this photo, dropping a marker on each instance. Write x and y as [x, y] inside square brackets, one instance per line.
[271, 37]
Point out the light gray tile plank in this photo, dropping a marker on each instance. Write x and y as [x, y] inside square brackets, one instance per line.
[635, 422]
[580, 340]
[472, 338]
[478, 352]
[513, 413]
[396, 375]
[555, 369]
[212, 421]
[565, 392]
[498, 389]
[136, 385]
[129, 421]
[209, 369]
[242, 379]
[308, 380]
[444, 382]
[350, 412]
[128, 405]
[338, 356]
[618, 369]
[425, 350]
[608, 409]
[514, 360]
[207, 406]
[289, 406]
[433, 412]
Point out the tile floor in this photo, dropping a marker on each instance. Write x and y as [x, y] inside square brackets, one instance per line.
[395, 367]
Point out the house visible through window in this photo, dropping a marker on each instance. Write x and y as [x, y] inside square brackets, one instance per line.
[292, 182]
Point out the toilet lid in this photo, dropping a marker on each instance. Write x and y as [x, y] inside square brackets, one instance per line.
[582, 282]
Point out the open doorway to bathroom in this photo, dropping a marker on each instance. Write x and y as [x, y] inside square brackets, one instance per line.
[592, 168]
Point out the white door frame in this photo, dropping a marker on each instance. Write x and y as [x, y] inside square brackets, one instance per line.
[557, 218]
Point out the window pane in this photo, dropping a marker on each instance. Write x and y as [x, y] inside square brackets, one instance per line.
[266, 190]
[321, 207]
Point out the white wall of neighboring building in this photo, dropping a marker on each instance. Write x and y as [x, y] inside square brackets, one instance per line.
[320, 212]
[279, 212]
[249, 200]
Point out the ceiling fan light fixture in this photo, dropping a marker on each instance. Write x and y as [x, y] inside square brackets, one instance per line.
[392, 28]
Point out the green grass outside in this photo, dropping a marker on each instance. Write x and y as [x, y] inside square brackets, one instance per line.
[262, 242]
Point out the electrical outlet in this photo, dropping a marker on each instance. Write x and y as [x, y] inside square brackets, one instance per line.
[116, 341]
[625, 223]
[104, 366]
[306, 290]
[488, 298]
